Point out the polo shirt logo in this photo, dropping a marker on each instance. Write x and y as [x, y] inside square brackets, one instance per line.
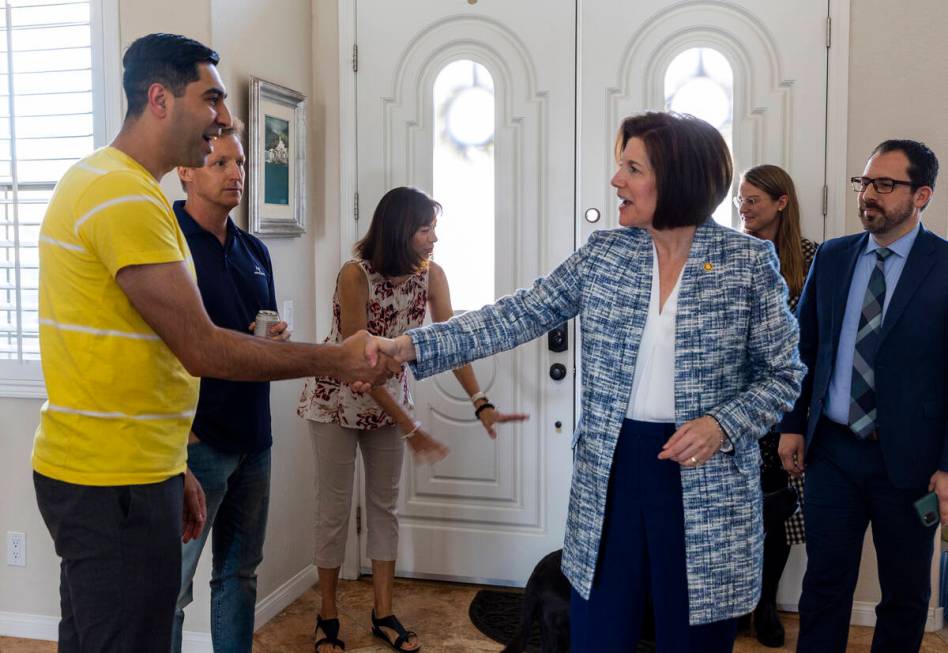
[257, 270]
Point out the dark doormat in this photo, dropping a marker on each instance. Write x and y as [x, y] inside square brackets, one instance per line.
[497, 615]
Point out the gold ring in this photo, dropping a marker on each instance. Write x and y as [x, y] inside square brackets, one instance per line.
[694, 461]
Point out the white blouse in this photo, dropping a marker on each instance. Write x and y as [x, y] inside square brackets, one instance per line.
[653, 385]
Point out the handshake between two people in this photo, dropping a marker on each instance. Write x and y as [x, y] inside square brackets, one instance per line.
[374, 359]
[368, 361]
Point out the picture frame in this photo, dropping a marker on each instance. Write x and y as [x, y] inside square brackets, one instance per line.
[277, 135]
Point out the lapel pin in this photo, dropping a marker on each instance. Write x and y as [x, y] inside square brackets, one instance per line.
[708, 267]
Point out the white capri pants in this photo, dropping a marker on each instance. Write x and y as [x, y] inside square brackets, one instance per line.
[383, 450]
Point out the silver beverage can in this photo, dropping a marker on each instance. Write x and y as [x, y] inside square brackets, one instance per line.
[263, 322]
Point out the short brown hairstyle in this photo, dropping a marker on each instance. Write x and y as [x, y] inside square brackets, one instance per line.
[387, 246]
[691, 162]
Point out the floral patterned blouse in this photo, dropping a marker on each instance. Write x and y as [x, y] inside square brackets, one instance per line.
[392, 310]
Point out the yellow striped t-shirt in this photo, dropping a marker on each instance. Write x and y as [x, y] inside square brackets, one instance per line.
[120, 404]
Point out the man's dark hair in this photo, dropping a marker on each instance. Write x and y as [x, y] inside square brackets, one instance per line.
[387, 246]
[167, 59]
[691, 162]
[923, 164]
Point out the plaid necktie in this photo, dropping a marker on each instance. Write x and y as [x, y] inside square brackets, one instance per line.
[862, 404]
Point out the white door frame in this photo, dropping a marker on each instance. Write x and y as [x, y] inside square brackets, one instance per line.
[348, 153]
[837, 112]
[837, 99]
[837, 119]
[348, 229]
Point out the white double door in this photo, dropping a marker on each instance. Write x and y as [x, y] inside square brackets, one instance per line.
[563, 74]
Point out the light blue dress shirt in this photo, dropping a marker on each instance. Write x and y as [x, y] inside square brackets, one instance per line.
[838, 398]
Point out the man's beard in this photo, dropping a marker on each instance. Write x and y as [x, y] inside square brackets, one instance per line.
[884, 221]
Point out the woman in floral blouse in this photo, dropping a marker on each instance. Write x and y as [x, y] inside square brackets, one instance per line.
[769, 210]
[387, 290]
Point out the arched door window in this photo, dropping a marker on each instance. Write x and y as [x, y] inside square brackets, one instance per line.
[700, 81]
[463, 180]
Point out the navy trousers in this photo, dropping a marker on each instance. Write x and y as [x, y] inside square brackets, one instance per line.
[642, 552]
[846, 489]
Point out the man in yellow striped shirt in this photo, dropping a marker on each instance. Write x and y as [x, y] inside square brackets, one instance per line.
[123, 334]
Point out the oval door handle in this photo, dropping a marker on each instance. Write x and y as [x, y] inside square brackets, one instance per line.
[557, 371]
[592, 215]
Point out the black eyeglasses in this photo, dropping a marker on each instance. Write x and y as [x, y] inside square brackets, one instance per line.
[881, 184]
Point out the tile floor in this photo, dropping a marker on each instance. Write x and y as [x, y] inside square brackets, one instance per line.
[438, 611]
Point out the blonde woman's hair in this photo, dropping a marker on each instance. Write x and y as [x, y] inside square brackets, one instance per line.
[774, 181]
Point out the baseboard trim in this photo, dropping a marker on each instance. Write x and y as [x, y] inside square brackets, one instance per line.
[29, 626]
[284, 595]
[864, 614]
[193, 641]
[35, 626]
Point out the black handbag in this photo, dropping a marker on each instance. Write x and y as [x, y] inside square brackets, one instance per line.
[779, 506]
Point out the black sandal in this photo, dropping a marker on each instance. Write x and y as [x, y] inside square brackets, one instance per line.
[330, 628]
[391, 621]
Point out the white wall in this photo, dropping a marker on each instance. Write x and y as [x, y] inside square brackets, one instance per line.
[274, 41]
[897, 90]
[32, 589]
[325, 112]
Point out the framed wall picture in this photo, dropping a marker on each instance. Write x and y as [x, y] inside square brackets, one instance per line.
[277, 135]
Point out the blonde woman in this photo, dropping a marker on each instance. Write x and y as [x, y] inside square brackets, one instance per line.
[770, 211]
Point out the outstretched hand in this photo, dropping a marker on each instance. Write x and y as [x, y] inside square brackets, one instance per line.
[491, 416]
[364, 365]
[400, 348]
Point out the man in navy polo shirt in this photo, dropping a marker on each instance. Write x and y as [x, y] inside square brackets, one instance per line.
[229, 444]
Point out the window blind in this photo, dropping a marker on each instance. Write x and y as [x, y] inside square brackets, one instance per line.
[46, 124]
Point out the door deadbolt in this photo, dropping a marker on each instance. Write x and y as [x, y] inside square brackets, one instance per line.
[557, 371]
[557, 339]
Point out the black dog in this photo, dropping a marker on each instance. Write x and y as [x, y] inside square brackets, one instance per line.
[546, 598]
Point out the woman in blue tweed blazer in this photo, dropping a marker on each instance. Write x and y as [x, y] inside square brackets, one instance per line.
[688, 353]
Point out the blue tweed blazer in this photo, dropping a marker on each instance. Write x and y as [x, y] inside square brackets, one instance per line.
[735, 358]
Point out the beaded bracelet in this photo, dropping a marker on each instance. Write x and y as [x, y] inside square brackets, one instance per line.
[482, 407]
[412, 432]
[723, 437]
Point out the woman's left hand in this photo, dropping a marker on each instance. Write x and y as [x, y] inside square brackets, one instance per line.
[490, 416]
[694, 442]
[426, 449]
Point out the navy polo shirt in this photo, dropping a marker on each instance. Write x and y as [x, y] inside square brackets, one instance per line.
[236, 281]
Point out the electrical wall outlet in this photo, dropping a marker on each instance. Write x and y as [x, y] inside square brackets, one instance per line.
[16, 549]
